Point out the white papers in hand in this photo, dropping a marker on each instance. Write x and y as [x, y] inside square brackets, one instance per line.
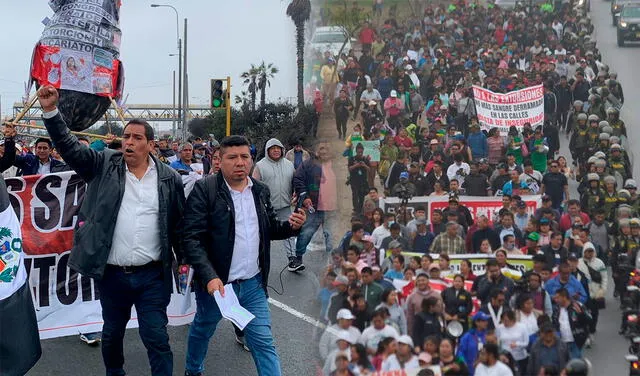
[231, 309]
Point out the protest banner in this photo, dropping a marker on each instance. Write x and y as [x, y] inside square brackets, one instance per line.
[497, 110]
[371, 149]
[65, 302]
[477, 205]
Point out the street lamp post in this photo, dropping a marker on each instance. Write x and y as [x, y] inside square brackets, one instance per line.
[179, 61]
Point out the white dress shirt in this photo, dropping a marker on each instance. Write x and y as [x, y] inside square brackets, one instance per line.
[136, 237]
[565, 326]
[44, 168]
[244, 262]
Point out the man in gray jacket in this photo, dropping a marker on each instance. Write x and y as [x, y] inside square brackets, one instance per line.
[276, 172]
[126, 233]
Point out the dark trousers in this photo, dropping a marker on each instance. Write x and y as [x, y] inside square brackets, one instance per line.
[358, 191]
[341, 126]
[145, 290]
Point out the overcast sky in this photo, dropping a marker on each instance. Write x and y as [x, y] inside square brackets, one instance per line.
[224, 38]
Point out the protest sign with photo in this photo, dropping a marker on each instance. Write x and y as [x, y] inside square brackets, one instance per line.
[371, 149]
[66, 303]
[79, 47]
[497, 110]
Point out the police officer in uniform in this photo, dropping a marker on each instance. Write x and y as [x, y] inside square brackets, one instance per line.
[592, 198]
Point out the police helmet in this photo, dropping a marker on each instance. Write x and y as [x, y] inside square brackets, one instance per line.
[612, 111]
[577, 367]
[609, 179]
[624, 195]
[608, 129]
[603, 124]
[630, 184]
[582, 116]
[593, 177]
[615, 147]
[604, 136]
[614, 139]
[601, 163]
[600, 155]
[593, 117]
[592, 159]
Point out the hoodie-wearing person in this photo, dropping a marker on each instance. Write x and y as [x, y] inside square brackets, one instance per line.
[277, 172]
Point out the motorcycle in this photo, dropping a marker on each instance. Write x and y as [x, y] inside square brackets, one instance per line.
[634, 364]
[630, 305]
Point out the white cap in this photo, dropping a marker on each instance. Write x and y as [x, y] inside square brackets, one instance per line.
[345, 314]
[343, 335]
[406, 340]
[394, 94]
[408, 67]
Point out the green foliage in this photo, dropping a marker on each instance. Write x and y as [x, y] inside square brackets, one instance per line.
[280, 120]
[5, 232]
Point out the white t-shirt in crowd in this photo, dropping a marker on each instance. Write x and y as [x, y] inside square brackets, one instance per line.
[498, 369]
[516, 334]
[371, 336]
[392, 364]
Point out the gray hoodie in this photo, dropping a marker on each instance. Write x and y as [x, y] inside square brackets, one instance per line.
[277, 175]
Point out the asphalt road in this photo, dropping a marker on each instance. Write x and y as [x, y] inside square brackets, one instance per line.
[296, 340]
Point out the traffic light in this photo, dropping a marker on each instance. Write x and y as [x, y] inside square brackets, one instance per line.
[218, 94]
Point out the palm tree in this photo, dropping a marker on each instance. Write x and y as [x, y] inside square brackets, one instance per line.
[250, 77]
[300, 13]
[265, 73]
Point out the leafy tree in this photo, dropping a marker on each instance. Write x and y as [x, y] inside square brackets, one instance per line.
[300, 13]
[350, 20]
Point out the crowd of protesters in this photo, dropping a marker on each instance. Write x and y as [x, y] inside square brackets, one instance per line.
[390, 293]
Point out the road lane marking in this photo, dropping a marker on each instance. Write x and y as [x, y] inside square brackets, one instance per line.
[297, 314]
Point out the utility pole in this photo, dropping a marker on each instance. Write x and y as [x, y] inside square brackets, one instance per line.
[185, 98]
[179, 85]
[173, 113]
[228, 100]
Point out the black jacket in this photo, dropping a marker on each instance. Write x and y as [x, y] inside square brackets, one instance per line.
[105, 174]
[424, 325]
[209, 227]
[457, 303]
[29, 164]
[579, 320]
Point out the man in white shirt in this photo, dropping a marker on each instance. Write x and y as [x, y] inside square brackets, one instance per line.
[458, 170]
[127, 232]
[229, 223]
[489, 364]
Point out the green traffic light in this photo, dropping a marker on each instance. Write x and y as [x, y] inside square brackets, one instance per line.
[217, 103]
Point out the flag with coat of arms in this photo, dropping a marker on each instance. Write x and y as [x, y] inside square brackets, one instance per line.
[19, 339]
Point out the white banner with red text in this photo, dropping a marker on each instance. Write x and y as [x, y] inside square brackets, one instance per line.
[66, 303]
[497, 110]
[477, 205]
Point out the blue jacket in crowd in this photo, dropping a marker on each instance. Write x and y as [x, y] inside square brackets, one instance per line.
[477, 141]
[573, 286]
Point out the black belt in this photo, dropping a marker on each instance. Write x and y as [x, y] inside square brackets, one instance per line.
[135, 268]
[238, 281]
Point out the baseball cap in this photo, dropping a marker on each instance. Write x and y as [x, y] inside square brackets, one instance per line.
[534, 236]
[345, 314]
[544, 221]
[340, 280]
[433, 141]
[372, 103]
[408, 67]
[572, 257]
[394, 244]
[394, 94]
[404, 175]
[425, 357]
[406, 340]
[453, 198]
[546, 198]
[481, 316]
[522, 204]
[538, 257]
